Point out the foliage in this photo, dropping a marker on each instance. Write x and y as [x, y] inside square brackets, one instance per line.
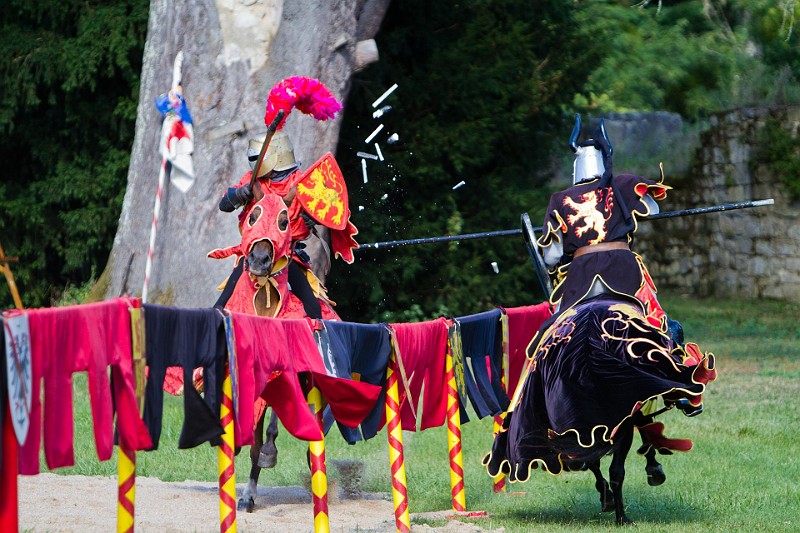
[777, 149]
[480, 89]
[69, 78]
[692, 58]
[77, 294]
[484, 91]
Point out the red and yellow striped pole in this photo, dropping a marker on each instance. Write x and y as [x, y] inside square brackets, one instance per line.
[126, 459]
[319, 477]
[396, 453]
[500, 479]
[225, 464]
[454, 437]
[126, 489]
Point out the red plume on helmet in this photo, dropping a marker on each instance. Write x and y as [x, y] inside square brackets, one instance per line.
[309, 95]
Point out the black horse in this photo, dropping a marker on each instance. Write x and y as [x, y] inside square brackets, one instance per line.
[594, 372]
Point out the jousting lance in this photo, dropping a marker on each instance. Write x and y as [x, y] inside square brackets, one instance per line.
[271, 129]
[503, 233]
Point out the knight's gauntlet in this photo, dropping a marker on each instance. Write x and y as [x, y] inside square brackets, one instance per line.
[235, 197]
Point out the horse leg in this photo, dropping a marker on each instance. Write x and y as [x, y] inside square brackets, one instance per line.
[652, 436]
[606, 496]
[616, 471]
[268, 454]
[248, 500]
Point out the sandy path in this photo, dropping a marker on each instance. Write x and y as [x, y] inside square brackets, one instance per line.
[87, 504]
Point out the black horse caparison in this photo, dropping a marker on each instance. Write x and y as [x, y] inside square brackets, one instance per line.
[594, 372]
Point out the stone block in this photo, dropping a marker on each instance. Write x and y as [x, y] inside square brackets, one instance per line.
[759, 265]
[787, 277]
[744, 246]
[792, 232]
[775, 291]
[791, 264]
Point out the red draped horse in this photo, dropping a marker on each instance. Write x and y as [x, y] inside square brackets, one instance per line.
[266, 250]
[263, 290]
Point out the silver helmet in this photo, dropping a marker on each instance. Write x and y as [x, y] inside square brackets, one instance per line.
[592, 156]
[279, 156]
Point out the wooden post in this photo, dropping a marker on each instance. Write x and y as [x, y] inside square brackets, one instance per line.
[126, 459]
[126, 489]
[500, 479]
[12, 286]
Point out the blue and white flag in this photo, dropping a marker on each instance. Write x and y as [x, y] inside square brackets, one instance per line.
[177, 135]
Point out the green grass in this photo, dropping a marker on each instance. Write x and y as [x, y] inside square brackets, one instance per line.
[742, 475]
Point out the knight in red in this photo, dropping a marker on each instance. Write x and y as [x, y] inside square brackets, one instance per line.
[280, 174]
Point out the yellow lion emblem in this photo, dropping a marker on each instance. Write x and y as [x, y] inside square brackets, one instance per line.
[587, 216]
[322, 198]
[323, 193]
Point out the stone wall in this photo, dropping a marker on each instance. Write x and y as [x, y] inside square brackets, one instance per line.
[748, 253]
[640, 142]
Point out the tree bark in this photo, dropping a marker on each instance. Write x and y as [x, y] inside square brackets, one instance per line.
[234, 52]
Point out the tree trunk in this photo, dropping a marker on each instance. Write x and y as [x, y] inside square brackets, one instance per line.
[234, 52]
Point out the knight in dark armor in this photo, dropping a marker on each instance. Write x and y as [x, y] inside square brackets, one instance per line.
[586, 243]
[589, 229]
[600, 365]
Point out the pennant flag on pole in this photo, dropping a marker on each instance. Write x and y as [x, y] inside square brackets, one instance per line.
[177, 135]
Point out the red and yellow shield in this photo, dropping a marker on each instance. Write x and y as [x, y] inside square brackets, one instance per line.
[323, 193]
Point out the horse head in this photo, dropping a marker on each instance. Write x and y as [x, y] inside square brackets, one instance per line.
[265, 248]
[266, 238]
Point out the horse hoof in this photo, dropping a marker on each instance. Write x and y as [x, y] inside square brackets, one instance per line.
[655, 475]
[625, 521]
[688, 409]
[268, 455]
[267, 461]
[248, 505]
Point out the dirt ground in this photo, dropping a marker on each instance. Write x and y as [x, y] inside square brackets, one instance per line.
[49, 502]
